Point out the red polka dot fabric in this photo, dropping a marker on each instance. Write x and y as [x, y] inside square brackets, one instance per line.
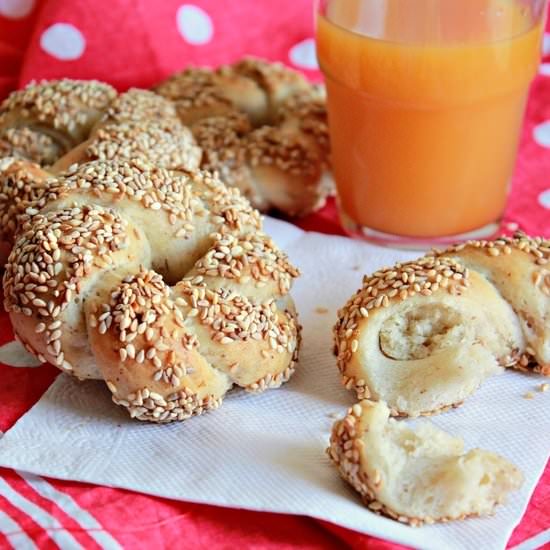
[137, 43]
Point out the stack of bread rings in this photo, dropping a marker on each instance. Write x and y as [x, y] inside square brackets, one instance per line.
[262, 127]
[129, 263]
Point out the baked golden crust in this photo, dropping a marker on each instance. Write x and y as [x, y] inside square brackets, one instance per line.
[60, 122]
[28, 144]
[88, 287]
[262, 127]
[138, 105]
[166, 144]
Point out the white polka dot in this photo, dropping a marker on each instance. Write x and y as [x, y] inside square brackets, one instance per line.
[63, 41]
[16, 9]
[303, 54]
[15, 355]
[546, 44]
[544, 199]
[512, 226]
[541, 134]
[544, 69]
[194, 25]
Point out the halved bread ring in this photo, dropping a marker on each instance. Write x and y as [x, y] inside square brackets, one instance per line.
[419, 476]
[423, 335]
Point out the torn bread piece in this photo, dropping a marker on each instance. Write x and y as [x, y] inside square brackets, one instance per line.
[417, 476]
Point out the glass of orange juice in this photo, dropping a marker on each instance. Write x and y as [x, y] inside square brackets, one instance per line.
[425, 103]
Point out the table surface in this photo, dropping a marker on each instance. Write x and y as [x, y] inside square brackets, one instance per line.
[59, 38]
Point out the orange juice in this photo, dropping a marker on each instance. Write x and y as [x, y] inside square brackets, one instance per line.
[425, 101]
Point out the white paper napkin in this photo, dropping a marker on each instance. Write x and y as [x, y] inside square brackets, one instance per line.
[267, 452]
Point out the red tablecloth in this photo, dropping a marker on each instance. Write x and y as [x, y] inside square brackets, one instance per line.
[138, 42]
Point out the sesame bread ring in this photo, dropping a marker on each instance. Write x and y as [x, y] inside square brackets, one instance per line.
[519, 268]
[420, 476]
[44, 121]
[263, 127]
[137, 124]
[63, 121]
[159, 282]
[423, 335]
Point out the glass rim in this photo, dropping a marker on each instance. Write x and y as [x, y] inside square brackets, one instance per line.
[320, 5]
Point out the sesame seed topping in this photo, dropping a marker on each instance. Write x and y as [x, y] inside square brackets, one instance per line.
[537, 247]
[140, 105]
[21, 183]
[417, 277]
[30, 261]
[25, 143]
[282, 124]
[252, 256]
[150, 406]
[167, 144]
[69, 106]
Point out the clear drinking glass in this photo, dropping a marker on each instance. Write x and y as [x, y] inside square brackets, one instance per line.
[425, 101]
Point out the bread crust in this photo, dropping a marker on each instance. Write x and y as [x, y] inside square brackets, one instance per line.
[47, 128]
[58, 114]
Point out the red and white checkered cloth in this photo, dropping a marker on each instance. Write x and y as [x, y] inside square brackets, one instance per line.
[138, 42]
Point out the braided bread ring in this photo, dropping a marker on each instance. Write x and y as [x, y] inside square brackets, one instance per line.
[263, 127]
[87, 287]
